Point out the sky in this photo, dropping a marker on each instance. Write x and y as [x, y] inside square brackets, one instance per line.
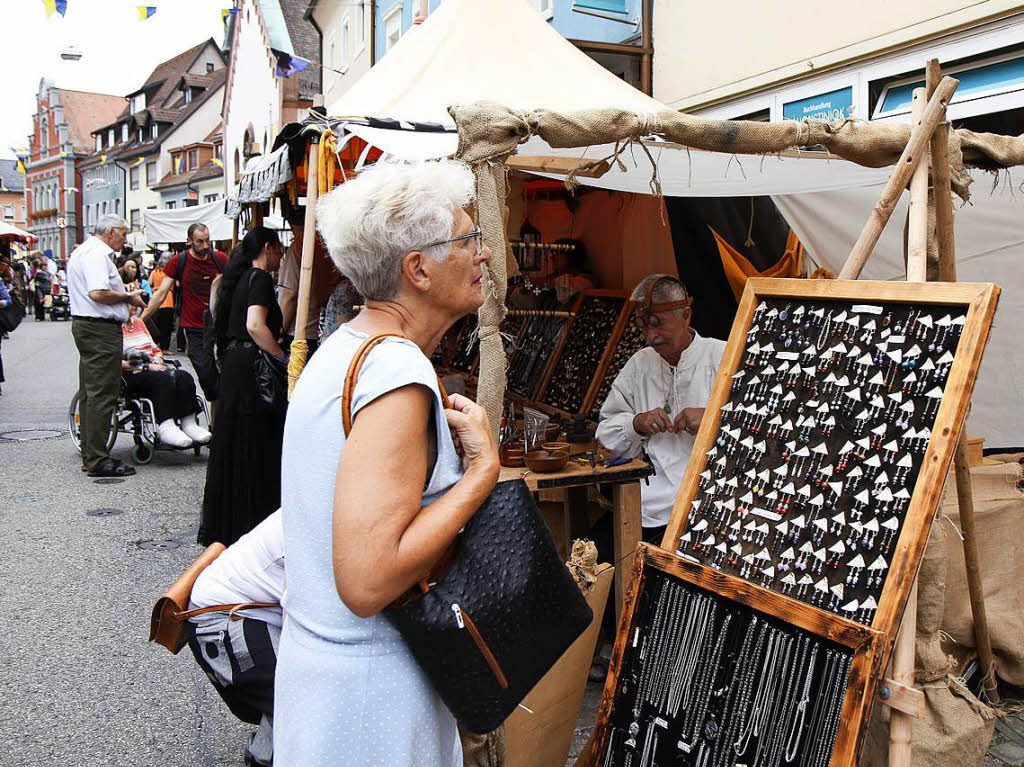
[118, 50]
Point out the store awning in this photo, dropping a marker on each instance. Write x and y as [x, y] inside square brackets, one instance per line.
[11, 233]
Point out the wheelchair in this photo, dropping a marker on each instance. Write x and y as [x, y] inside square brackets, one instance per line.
[136, 416]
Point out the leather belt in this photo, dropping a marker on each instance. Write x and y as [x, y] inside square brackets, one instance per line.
[108, 320]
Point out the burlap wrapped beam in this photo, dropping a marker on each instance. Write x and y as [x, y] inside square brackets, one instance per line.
[488, 131]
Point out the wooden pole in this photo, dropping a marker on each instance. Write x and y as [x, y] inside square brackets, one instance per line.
[920, 135]
[234, 233]
[308, 241]
[917, 237]
[961, 464]
[901, 725]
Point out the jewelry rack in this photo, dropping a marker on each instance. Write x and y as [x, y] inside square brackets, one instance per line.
[467, 347]
[530, 363]
[577, 372]
[852, 425]
[710, 671]
[629, 342]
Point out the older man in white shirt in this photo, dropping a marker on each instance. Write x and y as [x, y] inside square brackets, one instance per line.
[99, 304]
[657, 400]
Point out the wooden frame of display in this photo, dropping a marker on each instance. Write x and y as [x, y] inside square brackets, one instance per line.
[980, 301]
[870, 647]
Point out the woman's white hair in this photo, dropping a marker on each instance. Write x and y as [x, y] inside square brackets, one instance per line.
[389, 209]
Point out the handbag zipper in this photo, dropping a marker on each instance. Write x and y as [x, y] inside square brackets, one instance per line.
[465, 622]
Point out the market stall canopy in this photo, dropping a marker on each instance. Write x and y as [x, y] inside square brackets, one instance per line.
[262, 177]
[166, 226]
[9, 233]
[473, 50]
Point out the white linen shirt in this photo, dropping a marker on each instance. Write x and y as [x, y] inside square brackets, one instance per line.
[249, 570]
[90, 267]
[647, 382]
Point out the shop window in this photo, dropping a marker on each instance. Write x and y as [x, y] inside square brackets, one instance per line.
[995, 77]
[133, 178]
[615, 6]
[392, 27]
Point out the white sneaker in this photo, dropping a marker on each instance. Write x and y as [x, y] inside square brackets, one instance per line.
[169, 434]
[195, 432]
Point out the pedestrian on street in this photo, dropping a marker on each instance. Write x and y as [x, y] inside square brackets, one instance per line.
[164, 316]
[99, 304]
[42, 287]
[196, 270]
[5, 301]
[369, 513]
[243, 474]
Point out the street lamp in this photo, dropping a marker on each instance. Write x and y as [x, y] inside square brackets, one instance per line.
[71, 52]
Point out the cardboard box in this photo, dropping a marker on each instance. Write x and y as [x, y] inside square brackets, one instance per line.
[543, 738]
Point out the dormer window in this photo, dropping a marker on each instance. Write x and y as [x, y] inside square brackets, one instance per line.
[110, 137]
[138, 103]
[124, 132]
[209, 67]
[188, 95]
[142, 136]
[99, 141]
[153, 131]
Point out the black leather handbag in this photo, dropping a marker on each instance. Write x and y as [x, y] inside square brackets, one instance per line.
[11, 315]
[499, 610]
[271, 380]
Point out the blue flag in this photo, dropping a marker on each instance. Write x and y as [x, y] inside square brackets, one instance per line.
[290, 65]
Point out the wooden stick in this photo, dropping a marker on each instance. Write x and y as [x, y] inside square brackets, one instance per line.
[961, 464]
[912, 154]
[308, 241]
[901, 724]
[943, 194]
[538, 313]
[917, 219]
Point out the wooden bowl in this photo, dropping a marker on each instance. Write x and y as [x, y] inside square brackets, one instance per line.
[511, 456]
[555, 447]
[551, 431]
[543, 461]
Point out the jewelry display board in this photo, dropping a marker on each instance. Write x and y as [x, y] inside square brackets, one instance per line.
[629, 342]
[467, 347]
[829, 432]
[530, 363]
[710, 671]
[577, 372]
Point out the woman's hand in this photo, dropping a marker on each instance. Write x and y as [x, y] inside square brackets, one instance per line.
[472, 430]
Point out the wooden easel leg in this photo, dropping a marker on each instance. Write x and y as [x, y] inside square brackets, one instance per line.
[901, 724]
[965, 501]
[627, 523]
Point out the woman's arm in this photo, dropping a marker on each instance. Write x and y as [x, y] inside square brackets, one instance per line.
[256, 324]
[383, 542]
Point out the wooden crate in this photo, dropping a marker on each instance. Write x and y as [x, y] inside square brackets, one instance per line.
[866, 645]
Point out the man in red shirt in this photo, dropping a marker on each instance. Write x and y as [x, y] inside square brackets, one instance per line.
[195, 269]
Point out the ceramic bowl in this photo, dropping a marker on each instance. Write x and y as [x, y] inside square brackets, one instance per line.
[542, 461]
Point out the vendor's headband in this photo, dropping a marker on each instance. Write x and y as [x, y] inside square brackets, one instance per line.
[648, 307]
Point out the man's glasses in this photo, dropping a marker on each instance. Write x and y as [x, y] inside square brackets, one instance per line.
[477, 235]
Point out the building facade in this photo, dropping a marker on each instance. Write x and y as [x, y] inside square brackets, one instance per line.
[60, 140]
[815, 62]
[197, 174]
[12, 195]
[265, 38]
[178, 104]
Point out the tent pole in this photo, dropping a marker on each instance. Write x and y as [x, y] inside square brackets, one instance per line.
[234, 234]
[912, 154]
[298, 358]
[964, 494]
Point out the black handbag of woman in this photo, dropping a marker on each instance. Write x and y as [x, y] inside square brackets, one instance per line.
[497, 612]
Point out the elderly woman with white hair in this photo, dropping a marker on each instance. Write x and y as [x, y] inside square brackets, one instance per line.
[368, 515]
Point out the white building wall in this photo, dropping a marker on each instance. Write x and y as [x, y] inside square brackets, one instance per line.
[196, 128]
[349, 53]
[715, 52]
[253, 98]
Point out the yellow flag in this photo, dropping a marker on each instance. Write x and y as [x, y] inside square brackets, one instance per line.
[218, 163]
[20, 167]
[138, 162]
[103, 159]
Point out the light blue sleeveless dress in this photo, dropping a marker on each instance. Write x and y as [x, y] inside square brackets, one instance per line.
[347, 689]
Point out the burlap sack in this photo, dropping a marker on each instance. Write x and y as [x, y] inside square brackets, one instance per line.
[954, 732]
[483, 750]
[932, 662]
[999, 516]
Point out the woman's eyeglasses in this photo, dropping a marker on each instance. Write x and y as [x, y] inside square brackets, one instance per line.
[477, 235]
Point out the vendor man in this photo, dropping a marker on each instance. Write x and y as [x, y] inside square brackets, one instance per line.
[657, 400]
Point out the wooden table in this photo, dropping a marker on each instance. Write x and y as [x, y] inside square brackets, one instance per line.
[626, 521]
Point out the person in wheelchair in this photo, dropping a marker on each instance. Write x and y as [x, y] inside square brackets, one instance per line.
[171, 389]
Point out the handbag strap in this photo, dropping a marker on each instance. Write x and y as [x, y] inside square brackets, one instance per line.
[353, 373]
[231, 610]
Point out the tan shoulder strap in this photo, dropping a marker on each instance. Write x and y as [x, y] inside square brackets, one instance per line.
[353, 373]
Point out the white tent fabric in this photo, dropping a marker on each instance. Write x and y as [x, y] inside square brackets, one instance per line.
[11, 233]
[989, 248]
[473, 50]
[166, 226]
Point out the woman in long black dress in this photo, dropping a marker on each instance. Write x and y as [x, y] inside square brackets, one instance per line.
[243, 476]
